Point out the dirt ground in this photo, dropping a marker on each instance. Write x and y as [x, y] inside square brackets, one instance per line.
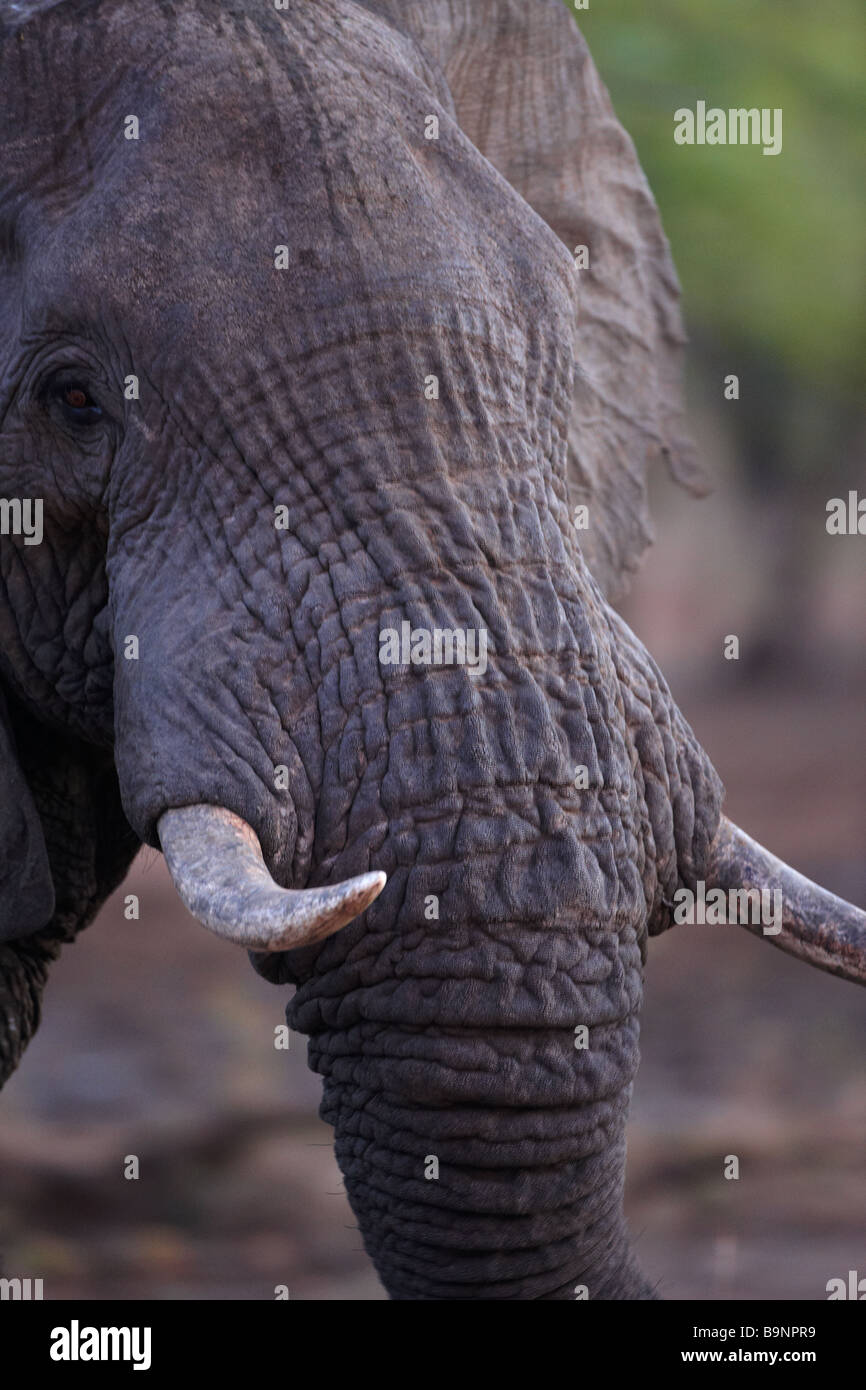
[157, 1041]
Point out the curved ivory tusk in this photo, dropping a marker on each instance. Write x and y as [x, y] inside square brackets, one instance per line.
[215, 861]
[817, 926]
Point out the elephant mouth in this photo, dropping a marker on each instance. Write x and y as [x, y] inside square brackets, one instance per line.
[218, 869]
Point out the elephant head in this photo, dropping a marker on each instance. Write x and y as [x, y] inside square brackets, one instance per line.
[297, 359]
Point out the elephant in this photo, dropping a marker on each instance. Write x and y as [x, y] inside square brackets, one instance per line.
[319, 323]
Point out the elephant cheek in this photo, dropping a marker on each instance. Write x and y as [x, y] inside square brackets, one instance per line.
[197, 723]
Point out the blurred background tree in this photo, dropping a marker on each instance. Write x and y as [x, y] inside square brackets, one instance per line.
[771, 254]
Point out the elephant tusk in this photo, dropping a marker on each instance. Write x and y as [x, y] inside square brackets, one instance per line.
[815, 925]
[215, 861]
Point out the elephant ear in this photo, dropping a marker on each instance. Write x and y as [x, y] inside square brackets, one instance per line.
[526, 92]
[26, 885]
[65, 844]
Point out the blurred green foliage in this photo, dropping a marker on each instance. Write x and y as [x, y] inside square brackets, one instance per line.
[771, 251]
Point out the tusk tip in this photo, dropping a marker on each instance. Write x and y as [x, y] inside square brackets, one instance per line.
[816, 926]
[332, 907]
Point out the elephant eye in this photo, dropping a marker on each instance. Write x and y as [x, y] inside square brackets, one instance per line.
[79, 407]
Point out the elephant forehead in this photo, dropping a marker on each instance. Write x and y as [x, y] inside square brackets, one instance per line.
[186, 150]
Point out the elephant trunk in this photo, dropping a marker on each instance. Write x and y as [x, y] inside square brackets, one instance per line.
[491, 1219]
[478, 1082]
[489, 1202]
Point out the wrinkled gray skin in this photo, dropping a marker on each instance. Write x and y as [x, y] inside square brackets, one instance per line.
[259, 647]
